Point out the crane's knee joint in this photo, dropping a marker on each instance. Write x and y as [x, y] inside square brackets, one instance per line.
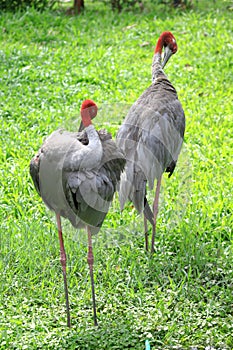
[90, 260]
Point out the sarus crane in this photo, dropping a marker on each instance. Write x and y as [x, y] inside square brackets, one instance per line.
[76, 174]
[151, 137]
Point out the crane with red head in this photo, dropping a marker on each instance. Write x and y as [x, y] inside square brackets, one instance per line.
[151, 137]
[76, 174]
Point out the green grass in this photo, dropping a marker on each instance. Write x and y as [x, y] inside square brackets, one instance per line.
[183, 295]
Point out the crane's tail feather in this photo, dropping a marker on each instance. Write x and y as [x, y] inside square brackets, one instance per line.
[148, 212]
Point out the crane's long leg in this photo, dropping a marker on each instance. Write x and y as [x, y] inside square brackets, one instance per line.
[146, 233]
[155, 212]
[90, 260]
[63, 264]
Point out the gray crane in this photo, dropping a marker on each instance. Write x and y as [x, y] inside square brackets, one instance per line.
[76, 174]
[151, 137]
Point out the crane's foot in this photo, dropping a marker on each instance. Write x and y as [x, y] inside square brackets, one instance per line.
[67, 299]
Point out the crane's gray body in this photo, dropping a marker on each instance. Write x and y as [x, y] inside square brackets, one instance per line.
[76, 175]
[151, 137]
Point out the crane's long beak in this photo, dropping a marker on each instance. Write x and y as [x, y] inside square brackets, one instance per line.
[167, 54]
[81, 127]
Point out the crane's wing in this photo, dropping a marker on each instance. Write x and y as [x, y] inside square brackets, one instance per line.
[151, 138]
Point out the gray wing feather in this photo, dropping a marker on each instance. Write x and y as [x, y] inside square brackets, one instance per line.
[151, 138]
[34, 171]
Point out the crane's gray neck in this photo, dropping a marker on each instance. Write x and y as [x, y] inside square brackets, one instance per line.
[157, 70]
[93, 151]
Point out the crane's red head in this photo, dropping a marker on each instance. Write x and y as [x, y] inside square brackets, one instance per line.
[168, 41]
[88, 111]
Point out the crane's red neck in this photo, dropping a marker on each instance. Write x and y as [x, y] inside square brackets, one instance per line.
[88, 112]
[166, 39]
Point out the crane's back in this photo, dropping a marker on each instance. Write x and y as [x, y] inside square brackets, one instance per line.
[153, 130]
[151, 138]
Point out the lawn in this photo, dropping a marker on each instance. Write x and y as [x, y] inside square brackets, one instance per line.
[180, 298]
